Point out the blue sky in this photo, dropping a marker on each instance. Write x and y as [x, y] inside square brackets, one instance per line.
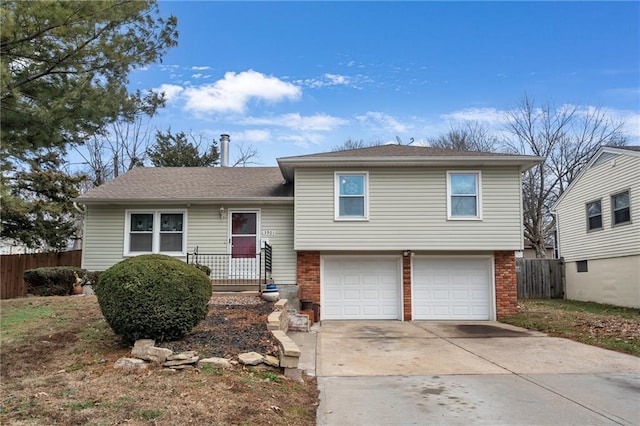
[293, 78]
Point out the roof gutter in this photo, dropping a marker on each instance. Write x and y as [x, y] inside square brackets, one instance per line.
[191, 201]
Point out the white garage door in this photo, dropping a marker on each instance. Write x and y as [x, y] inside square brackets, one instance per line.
[355, 287]
[456, 288]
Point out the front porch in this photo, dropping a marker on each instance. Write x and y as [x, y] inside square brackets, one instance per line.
[231, 272]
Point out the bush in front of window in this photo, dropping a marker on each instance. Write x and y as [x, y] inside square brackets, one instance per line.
[153, 297]
[52, 281]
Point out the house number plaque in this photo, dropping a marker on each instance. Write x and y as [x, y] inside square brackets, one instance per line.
[268, 232]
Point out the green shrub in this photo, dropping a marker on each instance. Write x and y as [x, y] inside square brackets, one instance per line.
[153, 297]
[53, 281]
[203, 268]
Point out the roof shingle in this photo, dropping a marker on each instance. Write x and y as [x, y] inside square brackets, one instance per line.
[192, 183]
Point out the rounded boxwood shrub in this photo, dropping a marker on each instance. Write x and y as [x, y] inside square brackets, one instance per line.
[153, 297]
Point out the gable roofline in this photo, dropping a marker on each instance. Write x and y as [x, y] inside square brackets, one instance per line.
[406, 156]
[633, 151]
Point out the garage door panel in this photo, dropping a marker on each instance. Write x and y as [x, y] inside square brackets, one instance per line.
[360, 287]
[451, 288]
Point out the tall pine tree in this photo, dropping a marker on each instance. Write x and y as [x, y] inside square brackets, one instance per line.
[63, 74]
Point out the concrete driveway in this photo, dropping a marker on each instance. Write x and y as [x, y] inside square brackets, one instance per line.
[460, 373]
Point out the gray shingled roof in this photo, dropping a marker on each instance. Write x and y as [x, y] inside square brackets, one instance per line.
[393, 150]
[630, 148]
[192, 183]
[404, 156]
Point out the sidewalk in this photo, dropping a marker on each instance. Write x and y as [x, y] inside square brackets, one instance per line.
[308, 344]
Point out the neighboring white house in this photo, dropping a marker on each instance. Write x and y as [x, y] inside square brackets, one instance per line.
[387, 232]
[599, 229]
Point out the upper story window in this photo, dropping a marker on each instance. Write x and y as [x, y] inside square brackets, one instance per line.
[155, 232]
[463, 195]
[621, 208]
[351, 196]
[594, 215]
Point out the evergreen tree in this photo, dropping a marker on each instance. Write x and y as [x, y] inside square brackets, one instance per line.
[63, 75]
[181, 150]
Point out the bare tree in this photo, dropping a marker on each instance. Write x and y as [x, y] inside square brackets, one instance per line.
[355, 144]
[567, 137]
[467, 137]
[247, 155]
[124, 142]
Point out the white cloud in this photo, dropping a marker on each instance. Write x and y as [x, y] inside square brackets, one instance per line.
[318, 122]
[329, 79]
[195, 68]
[303, 140]
[171, 91]
[489, 116]
[234, 91]
[256, 135]
[382, 121]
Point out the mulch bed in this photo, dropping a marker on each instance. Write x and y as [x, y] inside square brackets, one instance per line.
[234, 325]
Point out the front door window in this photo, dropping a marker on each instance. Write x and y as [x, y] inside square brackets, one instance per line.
[244, 238]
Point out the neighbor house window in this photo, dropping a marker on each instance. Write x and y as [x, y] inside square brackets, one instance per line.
[582, 266]
[351, 201]
[594, 215]
[620, 205]
[155, 232]
[463, 195]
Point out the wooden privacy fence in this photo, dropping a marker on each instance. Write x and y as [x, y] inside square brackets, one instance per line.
[13, 265]
[540, 278]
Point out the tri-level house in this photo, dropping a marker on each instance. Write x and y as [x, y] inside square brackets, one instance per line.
[386, 232]
[598, 219]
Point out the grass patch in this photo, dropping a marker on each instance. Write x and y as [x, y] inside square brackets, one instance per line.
[150, 413]
[79, 405]
[15, 323]
[606, 326]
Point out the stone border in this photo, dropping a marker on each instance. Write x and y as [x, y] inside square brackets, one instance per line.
[289, 353]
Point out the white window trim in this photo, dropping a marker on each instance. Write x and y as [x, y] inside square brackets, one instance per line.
[478, 173]
[155, 239]
[336, 196]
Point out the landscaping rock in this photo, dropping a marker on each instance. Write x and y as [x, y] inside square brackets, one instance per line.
[144, 342]
[272, 361]
[182, 356]
[181, 359]
[130, 364]
[250, 358]
[151, 353]
[218, 362]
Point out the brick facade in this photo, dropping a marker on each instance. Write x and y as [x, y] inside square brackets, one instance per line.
[308, 275]
[406, 287]
[506, 284]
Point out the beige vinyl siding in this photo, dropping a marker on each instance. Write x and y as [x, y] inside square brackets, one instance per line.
[600, 183]
[408, 210]
[206, 230]
[103, 239]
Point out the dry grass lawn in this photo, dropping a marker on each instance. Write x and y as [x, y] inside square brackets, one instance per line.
[57, 368]
[606, 326]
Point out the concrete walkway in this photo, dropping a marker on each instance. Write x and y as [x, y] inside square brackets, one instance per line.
[460, 373]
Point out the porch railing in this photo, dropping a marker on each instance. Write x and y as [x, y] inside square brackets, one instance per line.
[225, 269]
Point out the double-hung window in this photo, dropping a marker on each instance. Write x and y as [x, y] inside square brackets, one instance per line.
[463, 195]
[621, 208]
[594, 215]
[155, 232]
[351, 198]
